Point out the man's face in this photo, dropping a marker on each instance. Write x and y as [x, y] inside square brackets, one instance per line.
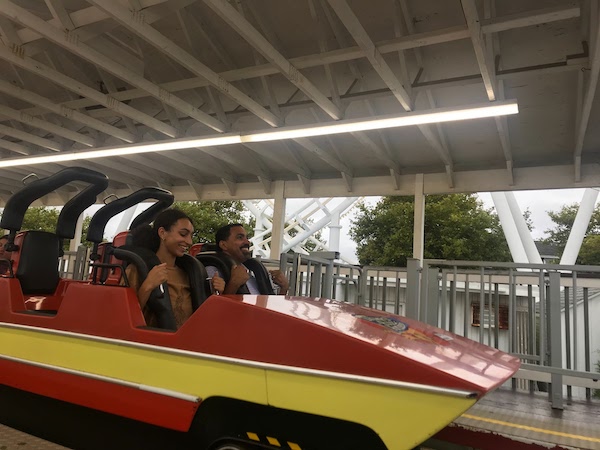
[237, 245]
[3, 253]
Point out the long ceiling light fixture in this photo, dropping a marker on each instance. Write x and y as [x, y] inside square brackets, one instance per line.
[439, 115]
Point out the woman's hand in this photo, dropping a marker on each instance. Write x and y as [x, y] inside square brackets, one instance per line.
[156, 277]
[218, 284]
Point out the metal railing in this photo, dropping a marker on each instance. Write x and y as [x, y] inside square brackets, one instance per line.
[74, 264]
[546, 321]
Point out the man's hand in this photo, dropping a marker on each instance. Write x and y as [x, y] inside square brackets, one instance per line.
[239, 277]
[280, 280]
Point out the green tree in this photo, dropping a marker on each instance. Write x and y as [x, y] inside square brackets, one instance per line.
[589, 254]
[563, 220]
[563, 223]
[208, 217]
[456, 227]
[40, 218]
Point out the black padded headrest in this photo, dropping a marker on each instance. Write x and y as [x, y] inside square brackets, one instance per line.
[103, 215]
[17, 204]
[262, 276]
[38, 263]
[197, 275]
[224, 263]
[159, 301]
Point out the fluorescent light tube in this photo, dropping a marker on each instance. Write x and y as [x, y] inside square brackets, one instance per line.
[390, 121]
[161, 146]
[438, 115]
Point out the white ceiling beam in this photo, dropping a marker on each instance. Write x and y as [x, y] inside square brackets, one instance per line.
[201, 27]
[27, 137]
[47, 126]
[333, 56]
[381, 154]
[588, 96]
[58, 11]
[316, 13]
[80, 19]
[254, 38]
[135, 22]
[486, 67]
[267, 87]
[340, 36]
[281, 156]
[235, 161]
[349, 19]
[324, 155]
[14, 147]
[359, 34]
[8, 33]
[530, 18]
[441, 143]
[197, 188]
[70, 42]
[163, 165]
[209, 168]
[113, 171]
[492, 43]
[94, 97]
[111, 87]
[35, 99]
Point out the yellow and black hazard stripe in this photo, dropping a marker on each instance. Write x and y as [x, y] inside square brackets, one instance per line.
[273, 442]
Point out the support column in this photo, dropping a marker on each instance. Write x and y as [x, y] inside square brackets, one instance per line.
[334, 232]
[278, 222]
[582, 220]
[530, 249]
[509, 228]
[419, 219]
[126, 219]
[77, 238]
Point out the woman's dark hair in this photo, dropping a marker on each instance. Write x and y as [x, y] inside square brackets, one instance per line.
[147, 235]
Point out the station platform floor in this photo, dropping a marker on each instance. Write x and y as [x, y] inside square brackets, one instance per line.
[508, 419]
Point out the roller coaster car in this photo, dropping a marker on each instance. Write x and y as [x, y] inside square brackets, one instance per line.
[79, 366]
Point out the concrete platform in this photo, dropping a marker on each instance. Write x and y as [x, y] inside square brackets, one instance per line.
[11, 439]
[516, 420]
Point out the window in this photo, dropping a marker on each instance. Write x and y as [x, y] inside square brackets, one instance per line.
[489, 319]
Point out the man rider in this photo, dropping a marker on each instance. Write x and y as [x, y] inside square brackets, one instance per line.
[232, 240]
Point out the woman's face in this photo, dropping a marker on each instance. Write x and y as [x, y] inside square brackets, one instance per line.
[178, 239]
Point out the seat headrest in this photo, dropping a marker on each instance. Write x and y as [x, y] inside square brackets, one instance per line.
[38, 263]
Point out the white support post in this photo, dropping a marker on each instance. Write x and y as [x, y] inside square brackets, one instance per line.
[530, 249]
[419, 219]
[126, 219]
[77, 238]
[334, 232]
[582, 220]
[509, 228]
[278, 224]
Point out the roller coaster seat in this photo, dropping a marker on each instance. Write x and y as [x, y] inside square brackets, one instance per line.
[36, 262]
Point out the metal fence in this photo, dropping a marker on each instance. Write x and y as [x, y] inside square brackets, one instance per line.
[74, 264]
[547, 321]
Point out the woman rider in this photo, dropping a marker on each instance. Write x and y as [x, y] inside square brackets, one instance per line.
[169, 237]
